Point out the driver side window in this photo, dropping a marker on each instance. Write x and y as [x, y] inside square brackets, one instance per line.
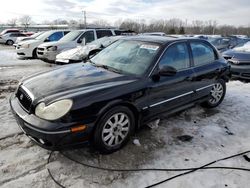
[89, 37]
[55, 36]
[176, 56]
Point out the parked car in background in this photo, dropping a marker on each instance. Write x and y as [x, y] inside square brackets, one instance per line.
[28, 33]
[49, 51]
[154, 33]
[239, 59]
[10, 38]
[221, 43]
[20, 39]
[28, 48]
[82, 53]
[236, 40]
[128, 84]
[10, 31]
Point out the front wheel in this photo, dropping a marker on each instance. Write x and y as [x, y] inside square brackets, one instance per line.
[217, 94]
[114, 129]
[34, 53]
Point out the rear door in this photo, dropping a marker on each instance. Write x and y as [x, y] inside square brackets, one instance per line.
[174, 91]
[206, 67]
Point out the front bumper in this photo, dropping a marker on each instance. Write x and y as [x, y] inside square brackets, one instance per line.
[2, 41]
[59, 138]
[44, 54]
[23, 52]
[240, 71]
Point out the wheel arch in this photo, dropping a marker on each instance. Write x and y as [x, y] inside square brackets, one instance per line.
[127, 104]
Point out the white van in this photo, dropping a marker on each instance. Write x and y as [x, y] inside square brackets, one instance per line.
[48, 51]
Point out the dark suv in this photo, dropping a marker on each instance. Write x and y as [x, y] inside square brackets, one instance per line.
[133, 81]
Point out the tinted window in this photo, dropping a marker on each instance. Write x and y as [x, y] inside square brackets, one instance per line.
[12, 31]
[103, 33]
[202, 53]
[176, 56]
[13, 35]
[66, 32]
[88, 35]
[55, 36]
[118, 32]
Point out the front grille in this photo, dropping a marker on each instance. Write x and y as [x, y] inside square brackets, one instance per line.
[24, 98]
[40, 53]
[246, 74]
[40, 49]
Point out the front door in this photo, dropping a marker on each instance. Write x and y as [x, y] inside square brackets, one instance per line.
[171, 91]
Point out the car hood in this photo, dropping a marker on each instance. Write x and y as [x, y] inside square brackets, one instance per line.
[77, 53]
[72, 79]
[32, 41]
[240, 55]
[58, 44]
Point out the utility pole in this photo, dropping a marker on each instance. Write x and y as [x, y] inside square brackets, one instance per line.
[85, 20]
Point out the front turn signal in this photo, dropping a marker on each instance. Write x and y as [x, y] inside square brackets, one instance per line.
[78, 128]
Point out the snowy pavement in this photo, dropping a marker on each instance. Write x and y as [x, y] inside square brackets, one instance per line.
[214, 134]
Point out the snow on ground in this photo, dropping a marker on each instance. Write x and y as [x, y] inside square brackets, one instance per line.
[213, 134]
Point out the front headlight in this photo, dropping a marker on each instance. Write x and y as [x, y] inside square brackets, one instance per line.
[52, 48]
[25, 46]
[55, 110]
[234, 61]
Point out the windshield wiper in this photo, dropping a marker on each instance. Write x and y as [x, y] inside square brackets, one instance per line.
[106, 67]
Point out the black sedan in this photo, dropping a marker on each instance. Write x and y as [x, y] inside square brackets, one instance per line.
[131, 82]
[239, 59]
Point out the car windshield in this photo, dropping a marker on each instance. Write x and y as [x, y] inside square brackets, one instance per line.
[71, 36]
[213, 40]
[36, 34]
[44, 35]
[127, 57]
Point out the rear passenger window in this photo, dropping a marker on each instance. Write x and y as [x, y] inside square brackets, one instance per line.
[202, 53]
[176, 56]
[103, 33]
[118, 32]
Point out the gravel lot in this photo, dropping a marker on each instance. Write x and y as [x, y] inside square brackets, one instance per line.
[215, 133]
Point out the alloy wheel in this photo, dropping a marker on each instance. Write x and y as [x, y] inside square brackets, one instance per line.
[216, 93]
[116, 129]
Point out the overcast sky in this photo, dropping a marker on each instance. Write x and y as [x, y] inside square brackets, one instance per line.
[234, 12]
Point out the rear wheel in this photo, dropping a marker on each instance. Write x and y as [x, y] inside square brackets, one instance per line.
[10, 42]
[217, 94]
[114, 129]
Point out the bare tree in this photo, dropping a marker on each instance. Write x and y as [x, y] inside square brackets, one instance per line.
[25, 21]
[101, 23]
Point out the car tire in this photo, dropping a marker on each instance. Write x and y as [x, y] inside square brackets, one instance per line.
[114, 129]
[217, 94]
[34, 55]
[10, 42]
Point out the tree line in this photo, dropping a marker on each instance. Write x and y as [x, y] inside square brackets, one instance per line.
[168, 26]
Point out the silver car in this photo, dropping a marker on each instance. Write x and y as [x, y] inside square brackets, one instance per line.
[10, 38]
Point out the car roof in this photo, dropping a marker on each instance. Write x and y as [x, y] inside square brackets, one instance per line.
[159, 39]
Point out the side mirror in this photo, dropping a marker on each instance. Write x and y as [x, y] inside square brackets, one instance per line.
[47, 40]
[81, 41]
[167, 71]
